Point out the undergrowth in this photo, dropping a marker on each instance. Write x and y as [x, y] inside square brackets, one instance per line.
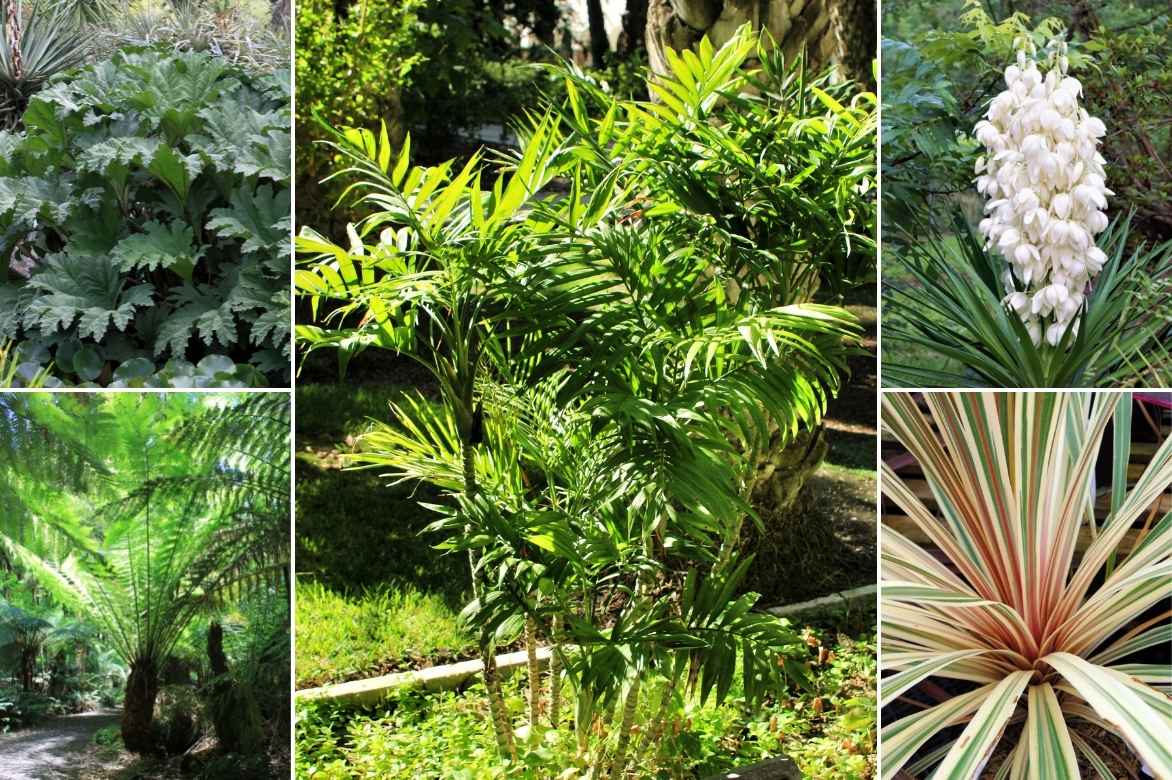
[828, 731]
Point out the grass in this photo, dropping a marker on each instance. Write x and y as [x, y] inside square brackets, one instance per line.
[354, 531]
[337, 411]
[827, 730]
[373, 594]
[377, 632]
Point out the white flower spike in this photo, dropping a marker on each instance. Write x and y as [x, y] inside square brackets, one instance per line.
[1046, 191]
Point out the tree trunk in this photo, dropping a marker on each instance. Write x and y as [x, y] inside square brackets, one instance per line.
[634, 28]
[138, 710]
[12, 27]
[841, 32]
[599, 44]
[28, 667]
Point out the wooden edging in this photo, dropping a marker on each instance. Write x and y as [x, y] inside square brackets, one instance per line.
[364, 693]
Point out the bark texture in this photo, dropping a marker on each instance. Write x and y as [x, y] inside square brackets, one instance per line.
[841, 32]
[14, 33]
[138, 710]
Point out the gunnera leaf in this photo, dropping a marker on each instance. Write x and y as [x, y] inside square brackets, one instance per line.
[260, 219]
[85, 290]
[159, 246]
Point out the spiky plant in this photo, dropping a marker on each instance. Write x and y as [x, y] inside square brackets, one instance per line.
[1005, 602]
[33, 50]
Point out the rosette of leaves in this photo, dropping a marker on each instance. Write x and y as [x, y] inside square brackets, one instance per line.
[144, 223]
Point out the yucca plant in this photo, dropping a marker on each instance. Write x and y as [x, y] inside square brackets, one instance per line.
[1006, 603]
[955, 310]
[33, 50]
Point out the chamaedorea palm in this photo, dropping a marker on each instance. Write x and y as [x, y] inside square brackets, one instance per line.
[561, 527]
[1006, 602]
[428, 287]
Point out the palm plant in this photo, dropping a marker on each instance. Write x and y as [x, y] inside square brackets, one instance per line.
[194, 509]
[596, 381]
[955, 310]
[1005, 604]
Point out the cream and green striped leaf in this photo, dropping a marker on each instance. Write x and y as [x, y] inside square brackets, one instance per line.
[1051, 753]
[1148, 731]
[977, 740]
[891, 687]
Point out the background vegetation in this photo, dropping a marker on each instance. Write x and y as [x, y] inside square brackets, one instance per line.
[943, 63]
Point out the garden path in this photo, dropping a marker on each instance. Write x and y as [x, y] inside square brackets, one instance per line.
[56, 750]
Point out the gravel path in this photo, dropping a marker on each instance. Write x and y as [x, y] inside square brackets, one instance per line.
[54, 750]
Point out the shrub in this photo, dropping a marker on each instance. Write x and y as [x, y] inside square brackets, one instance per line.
[146, 212]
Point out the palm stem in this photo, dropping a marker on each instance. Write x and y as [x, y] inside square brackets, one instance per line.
[555, 670]
[534, 672]
[502, 728]
[629, 706]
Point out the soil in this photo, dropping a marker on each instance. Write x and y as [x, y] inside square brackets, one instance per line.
[60, 749]
[826, 543]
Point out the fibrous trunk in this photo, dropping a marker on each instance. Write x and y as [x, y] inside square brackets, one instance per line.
[138, 710]
[13, 28]
[828, 31]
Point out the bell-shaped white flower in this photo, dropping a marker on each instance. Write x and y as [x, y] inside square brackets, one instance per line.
[1046, 193]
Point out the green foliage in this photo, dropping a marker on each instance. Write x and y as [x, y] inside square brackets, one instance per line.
[376, 631]
[447, 735]
[1131, 89]
[243, 32]
[606, 358]
[148, 203]
[955, 311]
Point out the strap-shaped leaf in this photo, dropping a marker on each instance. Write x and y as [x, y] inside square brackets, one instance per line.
[905, 736]
[1051, 753]
[896, 684]
[978, 738]
[1148, 732]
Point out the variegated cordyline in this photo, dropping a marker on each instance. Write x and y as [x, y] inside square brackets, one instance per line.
[1002, 595]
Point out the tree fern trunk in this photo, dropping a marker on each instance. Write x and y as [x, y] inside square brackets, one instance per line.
[555, 670]
[620, 752]
[138, 709]
[534, 672]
